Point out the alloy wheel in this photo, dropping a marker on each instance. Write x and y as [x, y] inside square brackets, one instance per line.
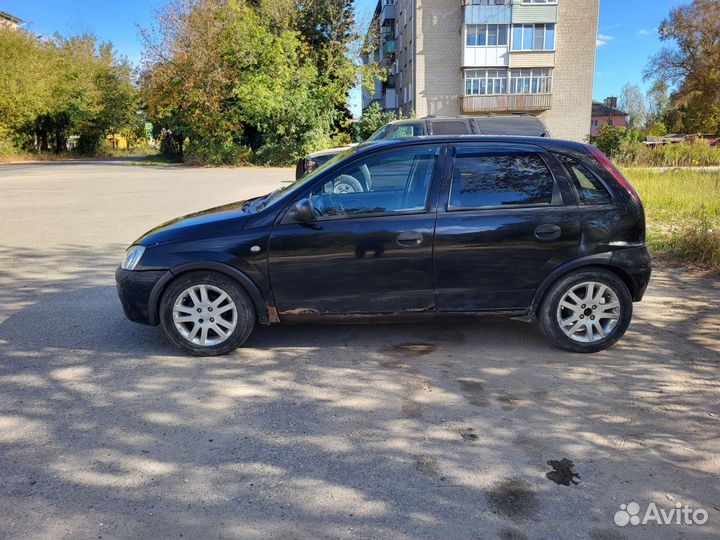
[588, 312]
[205, 315]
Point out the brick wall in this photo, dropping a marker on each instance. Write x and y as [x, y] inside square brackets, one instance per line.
[574, 70]
[438, 44]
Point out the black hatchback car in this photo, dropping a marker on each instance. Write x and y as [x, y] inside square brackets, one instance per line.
[536, 229]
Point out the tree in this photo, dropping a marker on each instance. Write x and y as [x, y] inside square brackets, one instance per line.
[690, 63]
[657, 101]
[53, 89]
[632, 102]
[609, 139]
[228, 77]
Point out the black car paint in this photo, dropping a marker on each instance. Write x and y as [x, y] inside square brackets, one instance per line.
[353, 267]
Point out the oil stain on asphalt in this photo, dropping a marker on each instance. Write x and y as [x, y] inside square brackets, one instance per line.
[396, 353]
[562, 472]
[513, 498]
[475, 391]
[410, 349]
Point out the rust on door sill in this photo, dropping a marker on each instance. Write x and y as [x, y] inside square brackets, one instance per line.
[272, 315]
[301, 311]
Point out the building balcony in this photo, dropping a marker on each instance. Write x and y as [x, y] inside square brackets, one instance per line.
[485, 56]
[534, 13]
[506, 103]
[389, 47]
[497, 14]
[388, 13]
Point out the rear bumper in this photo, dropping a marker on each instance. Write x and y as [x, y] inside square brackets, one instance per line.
[637, 264]
[134, 289]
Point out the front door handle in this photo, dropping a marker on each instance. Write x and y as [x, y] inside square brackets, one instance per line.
[409, 239]
[548, 233]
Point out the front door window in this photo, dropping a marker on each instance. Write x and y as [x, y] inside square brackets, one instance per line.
[396, 181]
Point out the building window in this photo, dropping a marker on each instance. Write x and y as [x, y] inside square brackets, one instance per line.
[483, 82]
[539, 1]
[531, 81]
[486, 2]
[533, 37]
[486, 35]
[594, 123]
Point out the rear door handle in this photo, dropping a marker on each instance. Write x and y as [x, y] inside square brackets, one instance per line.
[548, 233]
[409, 239]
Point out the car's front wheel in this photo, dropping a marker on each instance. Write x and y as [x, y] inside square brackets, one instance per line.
[586, 311]
[206, 313]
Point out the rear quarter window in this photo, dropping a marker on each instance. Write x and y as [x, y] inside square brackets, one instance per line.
[452, 127]
[589, 188]
[488, 179]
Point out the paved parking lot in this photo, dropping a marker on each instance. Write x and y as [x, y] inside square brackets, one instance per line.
[462, 429]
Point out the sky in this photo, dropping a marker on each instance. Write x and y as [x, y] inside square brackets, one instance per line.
[627, 31]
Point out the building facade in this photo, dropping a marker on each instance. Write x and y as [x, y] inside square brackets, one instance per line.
[607, 113]
[466, 57]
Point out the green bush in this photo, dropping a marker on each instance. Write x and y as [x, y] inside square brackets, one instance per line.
[373, 118]
[7, 149]
[216, 151]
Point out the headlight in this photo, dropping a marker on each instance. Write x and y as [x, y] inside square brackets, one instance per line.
[132, 257]
[310, 165]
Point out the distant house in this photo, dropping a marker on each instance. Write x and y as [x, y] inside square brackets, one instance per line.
[9, 21]
[607, 113]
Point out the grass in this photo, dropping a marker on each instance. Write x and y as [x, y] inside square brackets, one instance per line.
[682, 208]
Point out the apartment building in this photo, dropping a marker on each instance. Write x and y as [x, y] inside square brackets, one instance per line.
[468, 57]
[10, 21]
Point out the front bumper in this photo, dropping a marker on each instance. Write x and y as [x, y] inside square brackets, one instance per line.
[134, 288]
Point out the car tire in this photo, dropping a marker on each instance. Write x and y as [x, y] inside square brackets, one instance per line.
[347, 184]
[580, 322]
[223, 314]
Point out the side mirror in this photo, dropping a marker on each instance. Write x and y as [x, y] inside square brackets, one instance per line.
[302, 211]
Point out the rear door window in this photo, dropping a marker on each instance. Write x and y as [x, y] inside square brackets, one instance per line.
[489, 178]
[450, 127]
[589, 189]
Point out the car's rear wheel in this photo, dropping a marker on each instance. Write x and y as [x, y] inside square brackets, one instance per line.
[206, 313]
[586, 311]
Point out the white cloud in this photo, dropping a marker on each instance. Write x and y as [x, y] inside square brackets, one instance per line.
[603, 39]
[643, 32]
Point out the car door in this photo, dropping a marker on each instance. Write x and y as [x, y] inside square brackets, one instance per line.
[506, 220]
[369, 248]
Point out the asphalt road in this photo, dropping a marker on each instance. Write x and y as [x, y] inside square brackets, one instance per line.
[363, 431]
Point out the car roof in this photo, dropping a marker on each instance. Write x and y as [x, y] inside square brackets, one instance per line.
[450, 139]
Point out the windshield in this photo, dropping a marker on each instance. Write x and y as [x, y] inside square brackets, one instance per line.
[398, 131]
[271, 198]
[380, 133]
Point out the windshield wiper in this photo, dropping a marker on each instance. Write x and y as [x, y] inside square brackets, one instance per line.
[258, 204]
